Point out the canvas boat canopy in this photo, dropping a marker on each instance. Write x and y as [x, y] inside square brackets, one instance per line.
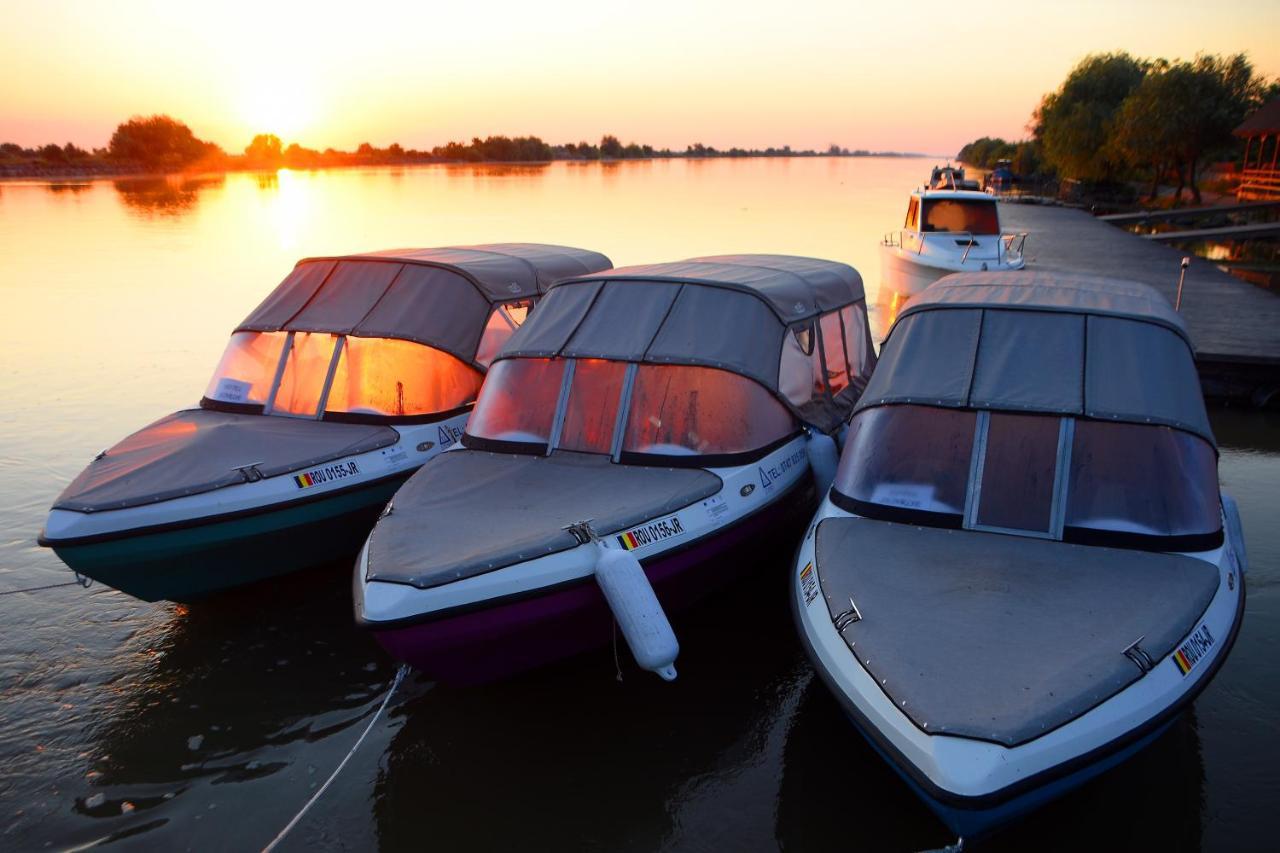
[395, 334]
[438, 297]
[796, 326]
[1002, 638]
[470, 512]
[198, 450]
[1043, 342]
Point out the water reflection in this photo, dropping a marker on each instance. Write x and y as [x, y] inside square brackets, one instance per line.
[169, 196]
[574, 759]
[67, 187]
[267, 180]
[240, 696]
[835, 787]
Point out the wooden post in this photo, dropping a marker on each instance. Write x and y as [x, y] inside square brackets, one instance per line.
[1248, 140]
[1275, 146]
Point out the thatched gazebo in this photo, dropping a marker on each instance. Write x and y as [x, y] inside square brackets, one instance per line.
[1260, 175]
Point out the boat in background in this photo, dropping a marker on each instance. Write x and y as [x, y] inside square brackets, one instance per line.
[946, 231]
[950, 177]
[353, 372]
[670, 413]
[1025, 569]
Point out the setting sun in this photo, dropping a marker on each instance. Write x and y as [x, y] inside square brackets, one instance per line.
[285, 108]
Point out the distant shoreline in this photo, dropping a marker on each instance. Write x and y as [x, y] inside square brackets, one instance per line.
[107, 171]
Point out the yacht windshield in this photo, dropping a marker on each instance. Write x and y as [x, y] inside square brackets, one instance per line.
[975, 216]
[1095, 482]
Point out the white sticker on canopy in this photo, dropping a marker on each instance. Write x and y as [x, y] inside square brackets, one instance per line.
[232, 390]
[907, 495]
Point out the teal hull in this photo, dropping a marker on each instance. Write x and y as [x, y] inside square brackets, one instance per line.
[191, 562]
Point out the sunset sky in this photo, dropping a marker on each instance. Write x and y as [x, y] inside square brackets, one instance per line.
[921, 76]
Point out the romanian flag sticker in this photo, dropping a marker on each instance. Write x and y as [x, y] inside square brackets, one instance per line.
[1193, 650]
[648, 534]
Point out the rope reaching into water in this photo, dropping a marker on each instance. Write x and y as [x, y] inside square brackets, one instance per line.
[77, 582]
[316, 796]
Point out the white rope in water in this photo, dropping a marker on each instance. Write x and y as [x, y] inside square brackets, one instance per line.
[334, 775]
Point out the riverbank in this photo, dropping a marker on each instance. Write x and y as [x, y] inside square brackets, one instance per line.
[114, 169]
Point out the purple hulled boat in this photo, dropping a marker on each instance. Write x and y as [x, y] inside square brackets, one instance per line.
[657, 416]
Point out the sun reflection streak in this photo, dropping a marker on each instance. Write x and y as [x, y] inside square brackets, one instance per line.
[290, 208]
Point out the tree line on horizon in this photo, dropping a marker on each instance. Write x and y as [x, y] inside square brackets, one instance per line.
[1118, 118]
[162, 143]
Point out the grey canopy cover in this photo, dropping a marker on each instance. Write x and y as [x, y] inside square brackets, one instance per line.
[438, 297]
[470, 511]
[1001, 638]
[729, 312]
[1043, 342]
[199, 450]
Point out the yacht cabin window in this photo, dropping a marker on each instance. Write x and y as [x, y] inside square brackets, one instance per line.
[971, 216]
[913, 213]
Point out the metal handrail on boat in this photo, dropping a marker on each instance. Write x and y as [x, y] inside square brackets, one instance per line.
[1004, 243]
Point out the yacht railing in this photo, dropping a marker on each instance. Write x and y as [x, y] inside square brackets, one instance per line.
[1004, 245]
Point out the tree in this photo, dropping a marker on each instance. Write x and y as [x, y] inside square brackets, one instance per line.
[158, 141]
[610, 146]
[1183, 112]
[265, 148]
[1073, 125]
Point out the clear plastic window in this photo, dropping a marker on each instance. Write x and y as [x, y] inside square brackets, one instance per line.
[1142, 479]
[592, 409]
[854, 318]
[948, 214]
[393, 378]
[305, 370]
[247, 369]
[502, 324]
[683, 410]
[795, 366]
[1019, 472]
[908, 457]
[518, 400]
[833, 351]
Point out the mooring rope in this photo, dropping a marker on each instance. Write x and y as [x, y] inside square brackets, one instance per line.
[334, 775]
[80, 581]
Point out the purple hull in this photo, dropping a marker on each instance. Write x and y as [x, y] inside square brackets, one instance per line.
[497, 641]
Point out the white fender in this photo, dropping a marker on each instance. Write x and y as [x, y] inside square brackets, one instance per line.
[823, 459]
[643, 622]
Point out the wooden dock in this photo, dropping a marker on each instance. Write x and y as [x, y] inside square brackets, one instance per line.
[1252, 230]
[1187, 213]
[1235, 325]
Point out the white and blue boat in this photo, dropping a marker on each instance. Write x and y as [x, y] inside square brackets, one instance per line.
[1025, 568]
[349, 376]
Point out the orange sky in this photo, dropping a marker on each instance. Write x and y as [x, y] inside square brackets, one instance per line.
[921, 76]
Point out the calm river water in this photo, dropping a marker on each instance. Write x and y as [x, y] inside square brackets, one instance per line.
[155, 725]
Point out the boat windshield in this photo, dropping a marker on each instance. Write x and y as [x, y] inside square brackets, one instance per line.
[633, 412]
[313, 374]
[975, 216]
[1094, 482]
